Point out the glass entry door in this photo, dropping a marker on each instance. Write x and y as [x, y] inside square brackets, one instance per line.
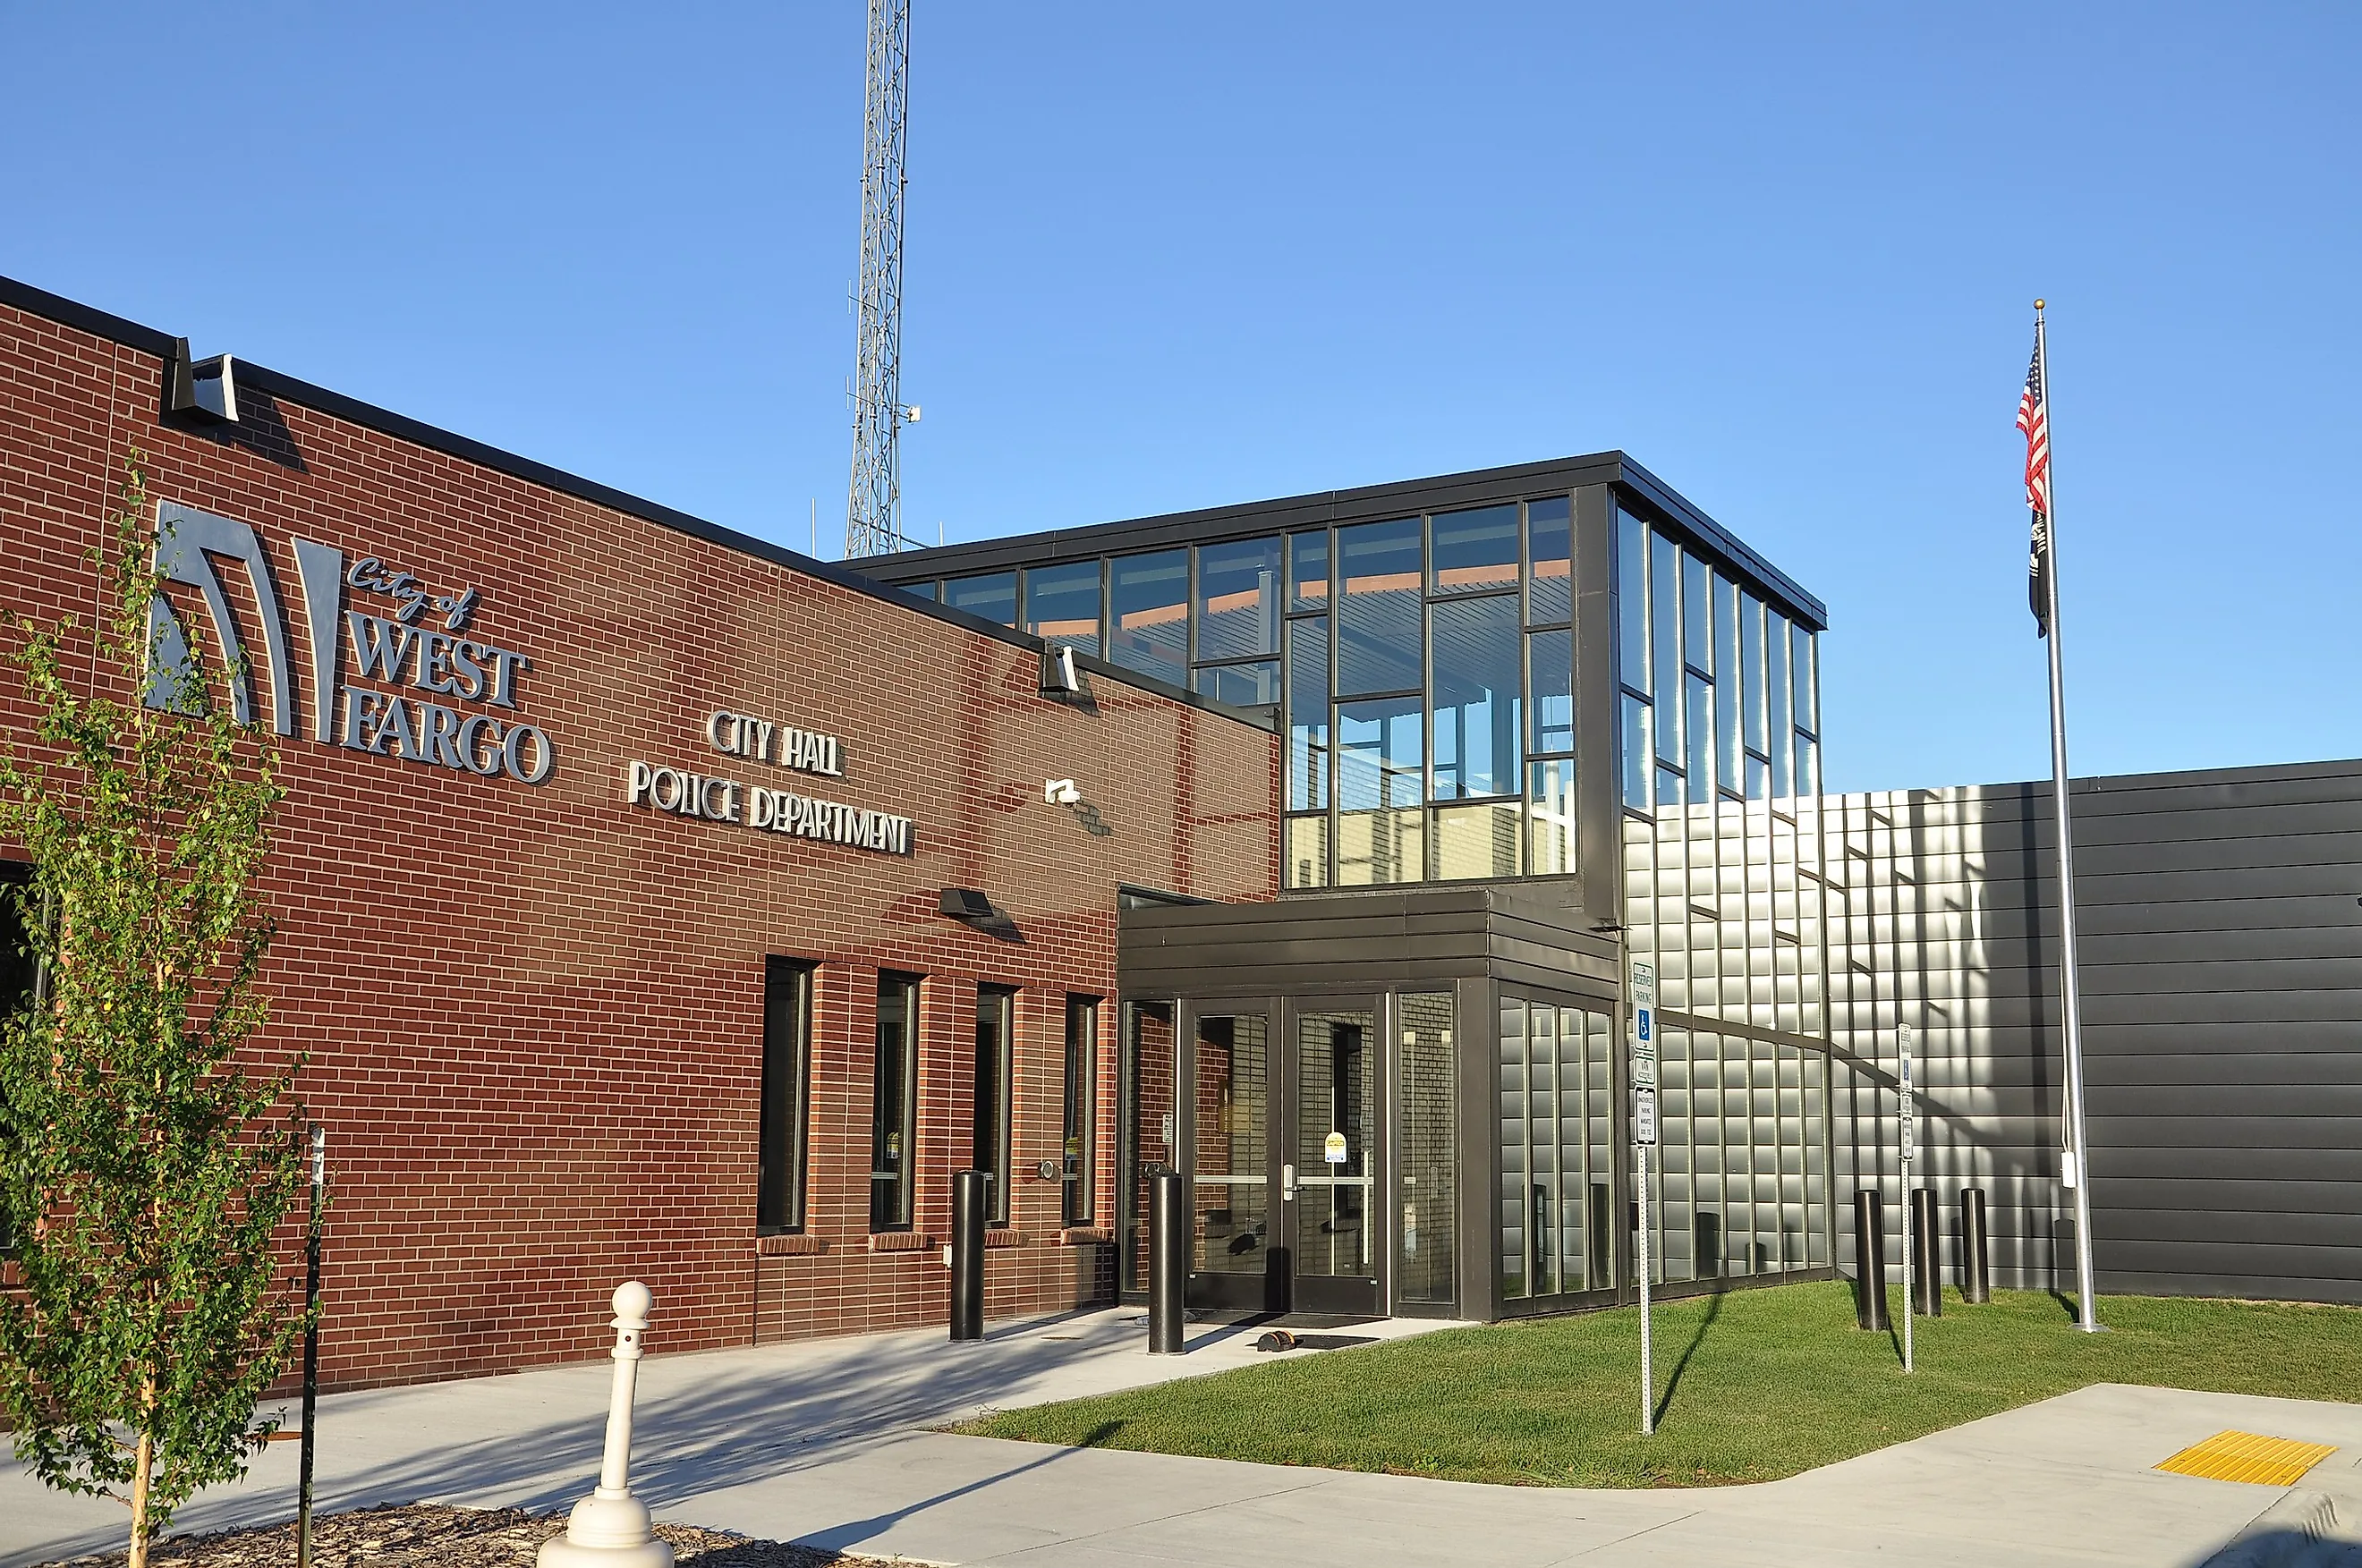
[1284, 1156]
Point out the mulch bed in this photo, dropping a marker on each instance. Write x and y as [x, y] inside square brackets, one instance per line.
[427, 1535]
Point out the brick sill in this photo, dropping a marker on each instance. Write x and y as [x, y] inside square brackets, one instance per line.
[790, 1246]
[1003, 1238]
[902, 1241]
[1085, 1235]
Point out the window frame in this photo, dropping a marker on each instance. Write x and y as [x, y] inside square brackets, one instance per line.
[783, 1133]
[992, 1131]
[886, 1218]
[1078, 1123]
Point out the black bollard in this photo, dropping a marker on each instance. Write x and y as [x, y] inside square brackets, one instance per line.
[967, 1254]
[1870, 1259]
[1169, 1259]
[1976, 1275]
[1926, 1252]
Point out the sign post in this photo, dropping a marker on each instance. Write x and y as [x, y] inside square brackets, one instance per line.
[1642, 1063]
[1909, 1146]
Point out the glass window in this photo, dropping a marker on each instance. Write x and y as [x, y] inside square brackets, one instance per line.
[1697, 614]
[1668, 786]
[1475, 550]
[1241, 685]
[1478, 841]
[1426, 1222]
[1145, 1130]
[1801, 650]
[1077, 1169]
[1750, 651]
[1149, 623]
[1549, 675]
[1549, 584]
[1478, 725]
[1665, 633]
[992, 596]
[1308, 570]
[1808, 764]
[1307, 714]
[1728, 750]
[1238, 598]
[1307, 852]
[995, 1035]
[1632, 601]
[1776, 688]
[1698, 694]
[928, 590]
[787, 1090]
[1549, 818]
[893, 1108]
[1382, 827]
[1636, 751]
[1062, 603]
[1377, 624]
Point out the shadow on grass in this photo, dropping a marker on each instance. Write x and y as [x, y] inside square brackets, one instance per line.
[1713, 1311]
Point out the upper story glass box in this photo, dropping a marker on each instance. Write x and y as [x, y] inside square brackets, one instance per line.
[1460, 666]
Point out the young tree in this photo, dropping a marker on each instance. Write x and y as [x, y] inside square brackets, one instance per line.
[146, 1173]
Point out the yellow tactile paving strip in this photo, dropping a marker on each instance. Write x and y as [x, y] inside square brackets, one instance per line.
[2245, 1456]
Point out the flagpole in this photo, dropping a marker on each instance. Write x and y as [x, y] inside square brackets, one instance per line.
[2069, 988]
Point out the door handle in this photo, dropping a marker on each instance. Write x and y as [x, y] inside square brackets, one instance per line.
[1287, 1184]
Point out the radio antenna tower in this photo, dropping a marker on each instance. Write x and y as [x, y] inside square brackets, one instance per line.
[873, 513]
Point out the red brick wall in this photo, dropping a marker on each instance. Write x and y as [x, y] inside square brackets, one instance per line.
[535, 1014]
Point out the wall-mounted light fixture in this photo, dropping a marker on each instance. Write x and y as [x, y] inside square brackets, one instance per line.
[1060, 792]
[966, 904]
[1059, 675]
[205, 390]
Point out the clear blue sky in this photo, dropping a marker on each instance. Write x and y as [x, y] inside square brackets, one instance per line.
[1183, 255]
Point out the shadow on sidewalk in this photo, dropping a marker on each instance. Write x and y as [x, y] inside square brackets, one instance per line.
[839, 1537]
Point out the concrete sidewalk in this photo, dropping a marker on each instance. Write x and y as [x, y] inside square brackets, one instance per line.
[816, 1442]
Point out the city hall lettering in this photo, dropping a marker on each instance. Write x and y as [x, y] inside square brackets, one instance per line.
[393, 649]
[702, 796]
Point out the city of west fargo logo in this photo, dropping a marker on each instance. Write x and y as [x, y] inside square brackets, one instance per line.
[453, 701]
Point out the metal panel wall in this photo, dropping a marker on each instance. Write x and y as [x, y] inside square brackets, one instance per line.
[2222, 967]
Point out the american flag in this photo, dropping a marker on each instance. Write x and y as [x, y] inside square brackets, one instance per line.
[2034, 420]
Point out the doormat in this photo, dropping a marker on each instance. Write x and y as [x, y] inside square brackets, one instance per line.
[2245, 1457]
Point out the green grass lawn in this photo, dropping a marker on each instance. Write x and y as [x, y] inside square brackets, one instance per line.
[1751, 1385]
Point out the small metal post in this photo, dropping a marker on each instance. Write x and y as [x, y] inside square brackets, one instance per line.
[1869, 1260]
[1926, 1276]
[611, 1529]
[1169, 1259]
[311, 1346]
[967, 1256]
[1976, 1276]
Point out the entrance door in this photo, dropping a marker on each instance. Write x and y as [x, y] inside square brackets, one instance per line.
[1285, 1117]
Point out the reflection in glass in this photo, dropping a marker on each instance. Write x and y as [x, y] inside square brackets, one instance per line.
[1549, 584]
[1428, 1163]
[1550, 816]
[1475, 550]
[1636, 752]
[1476, 841]
[1668, 785]
[1377, 848]
[1666, 661]
[1308, 570]
[893, 1102]
[1697, 614]
[988, 1150]
[1477, 722]
[1801, 656]
[1336, 1099]
[1556, 1120]
[1776, 689]
[1307, 852]
[992, 596]
[1241, 685]
[1238, 598]
[1148, 618]
[1307, 713]
[1549, 675]
[1728, 748]
[1380, 835]
[1062, 603]
[1233, 1180]
[1145, 1066]
[1633, 600]
[1750, 651]
[1378, 620]
[1698, 693]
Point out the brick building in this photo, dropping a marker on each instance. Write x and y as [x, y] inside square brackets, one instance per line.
[594, 810]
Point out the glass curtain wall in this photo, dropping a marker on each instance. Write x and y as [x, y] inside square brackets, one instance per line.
[1558, 1151]
[1424, 667]
[1724, 894]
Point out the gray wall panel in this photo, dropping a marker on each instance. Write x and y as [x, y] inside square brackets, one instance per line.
[2222, 1020]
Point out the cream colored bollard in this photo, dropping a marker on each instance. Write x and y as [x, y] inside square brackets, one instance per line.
[610, 1529]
